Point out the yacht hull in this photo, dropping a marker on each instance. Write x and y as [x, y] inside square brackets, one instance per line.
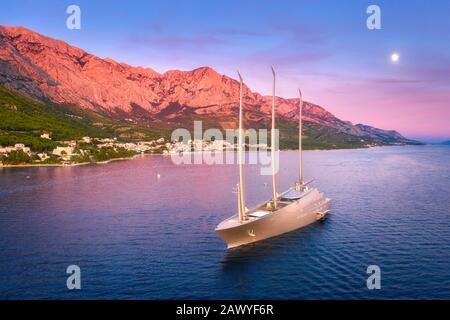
[294, 215]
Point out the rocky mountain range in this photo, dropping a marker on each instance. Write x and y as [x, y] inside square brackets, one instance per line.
[45, 69]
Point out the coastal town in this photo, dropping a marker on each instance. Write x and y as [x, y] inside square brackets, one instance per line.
[84, 150]
[95, 150]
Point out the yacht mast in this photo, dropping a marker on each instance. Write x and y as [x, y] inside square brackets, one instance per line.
[300, 150]
[272, 137]
[241, 155]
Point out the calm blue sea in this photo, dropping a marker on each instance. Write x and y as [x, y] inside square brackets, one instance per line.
[135, 236]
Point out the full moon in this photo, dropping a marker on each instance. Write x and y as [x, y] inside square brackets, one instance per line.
[395, 57]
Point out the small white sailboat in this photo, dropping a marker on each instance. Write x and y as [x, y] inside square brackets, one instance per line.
[295, 208]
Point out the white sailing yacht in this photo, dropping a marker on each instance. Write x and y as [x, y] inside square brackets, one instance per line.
[295, 208]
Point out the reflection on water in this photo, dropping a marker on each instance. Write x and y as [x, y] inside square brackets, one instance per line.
[137, 236]
[256, 252]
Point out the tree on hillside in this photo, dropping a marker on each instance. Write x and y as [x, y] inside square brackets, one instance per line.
[17, 157]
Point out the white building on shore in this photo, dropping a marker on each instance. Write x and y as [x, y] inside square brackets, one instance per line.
[17, 147]
[64, 152]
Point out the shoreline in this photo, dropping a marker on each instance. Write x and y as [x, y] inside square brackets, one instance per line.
[160, 154]
[70, 165]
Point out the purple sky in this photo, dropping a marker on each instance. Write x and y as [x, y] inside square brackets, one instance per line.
[322, 46]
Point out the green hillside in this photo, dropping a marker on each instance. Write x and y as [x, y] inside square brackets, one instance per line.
[314, 136]
[23, 120]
